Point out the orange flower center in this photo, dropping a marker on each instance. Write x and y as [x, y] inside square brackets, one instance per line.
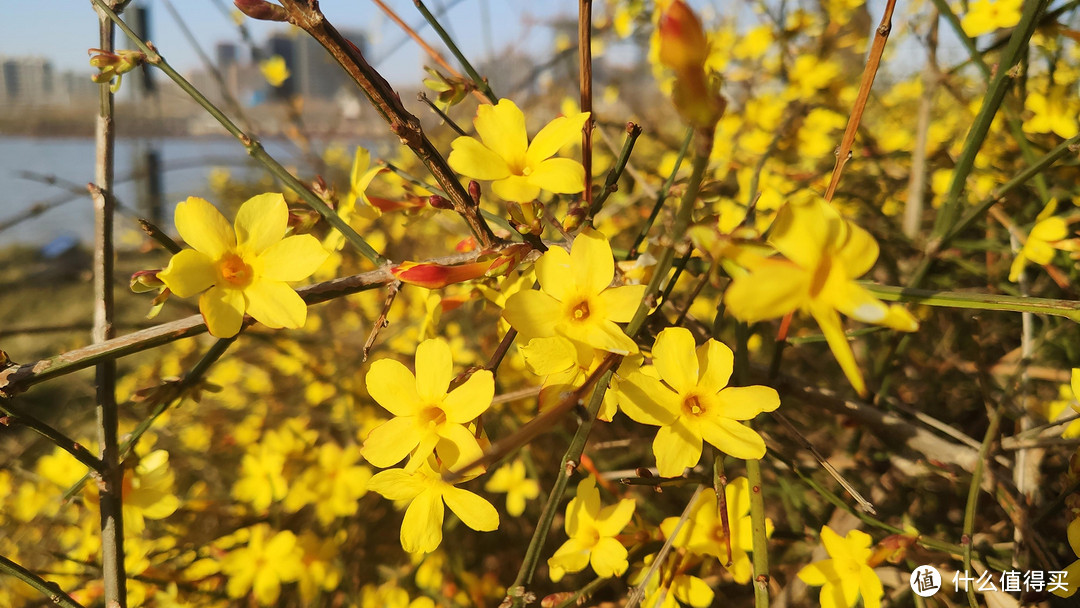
[692, 406]
[432, 415]
[581, 311]
[234, 271]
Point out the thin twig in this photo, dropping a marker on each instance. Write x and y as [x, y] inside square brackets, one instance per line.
[481, 83]
[422, 96]
[638, 594]
[633, 131]
[16, 415]
[391, 294]
[51, 590]
[661, 197]
[843, 153]
[585, 78]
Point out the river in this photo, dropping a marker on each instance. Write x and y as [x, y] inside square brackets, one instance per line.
[187, 162]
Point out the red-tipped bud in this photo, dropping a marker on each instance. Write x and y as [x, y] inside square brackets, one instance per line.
[437, 276]
[683, 45]
[262, 10]
[146, 280]
[439, 202]
[474, 191]
[466, 245]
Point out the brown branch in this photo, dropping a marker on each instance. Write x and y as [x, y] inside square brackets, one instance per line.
[585, 75]
[843, 153]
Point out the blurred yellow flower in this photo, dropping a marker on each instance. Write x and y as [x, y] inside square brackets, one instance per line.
[846, 575]
[1045, 239]
[275, 70]
[985, 16]
[511, 479]
[263, 564]
[592, 531]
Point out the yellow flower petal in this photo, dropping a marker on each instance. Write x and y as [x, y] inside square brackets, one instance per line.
[818, 573]
[275, 304]
[870, 588]
[396, 484]
[189, 272]
[858, 252]
[829, 321]
[390, 442]
[621, 303]
[393, 386]
[533, 313]
[516, 188]
[546, 356]
[601, 334]
[647, 401]
[552, 270]
[614, 518]
[591, 259]
[692, 590]
[555, 135]
[223, 311]
[733, 438]
[745, 402]
[421, 529]
[292, 259]
[715, 362]
[203, 227]
[472, 510]
[472, 159]
[457, 446]
[773, 289]
[434, 369]
[463, 404]
[608, 558]
[560, 175]
[801, 231]
[676, 447]
[572, 556]
[261, 221]
[502, 129]
[675, 358]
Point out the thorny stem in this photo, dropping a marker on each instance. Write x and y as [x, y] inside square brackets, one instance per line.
[111, 474]
[481, 83]
[254, 148]
[50, 590]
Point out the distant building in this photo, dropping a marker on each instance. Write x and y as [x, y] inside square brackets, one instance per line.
[30, 80]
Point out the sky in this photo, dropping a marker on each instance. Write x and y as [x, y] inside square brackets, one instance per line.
[63, 30]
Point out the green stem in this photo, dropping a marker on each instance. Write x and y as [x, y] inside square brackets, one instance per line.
[757, 524]
[69, 445]
[254, 148]
[481, 83]
[995, 94]
[633, 131]
[973, 497]
[50, 590]
[661, 196]
[1070, 309]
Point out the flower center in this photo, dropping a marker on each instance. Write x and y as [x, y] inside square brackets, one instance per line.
[581, 311]
[692, 406]
[526, 171]
[432, 415]
[234, 271]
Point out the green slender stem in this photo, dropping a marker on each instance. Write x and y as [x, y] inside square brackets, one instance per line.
[481, 83]
[661, 196]
[633, 131]
[51, 590]
[254, 148]
[16, 415]
[438, 112]
[159, 235]
[995, 94]
[584, 592]
[973, 497]
[1070, 309]
[760, 541]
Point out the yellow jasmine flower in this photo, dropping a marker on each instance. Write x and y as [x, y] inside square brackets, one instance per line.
[845, 576]
[243, 268]
[592, 531]
[1046, 237]
[566, 364]
[575, 299]
[427, 418]
[691, 402]
[425, 490]
[262, 480]
[333, 485]
[1054, 112]
[511, 479]
[1072, 571]
[519, 169]
[704, 533]
[823, 255]
[275, 70]
[985, 16]
[262, 565]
